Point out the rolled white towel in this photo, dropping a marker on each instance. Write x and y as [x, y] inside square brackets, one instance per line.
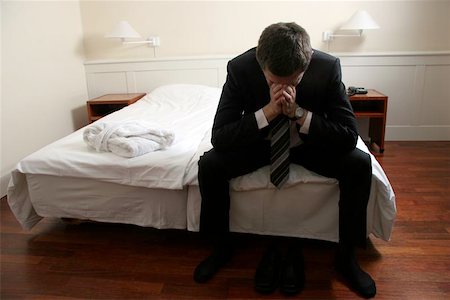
[127, 139]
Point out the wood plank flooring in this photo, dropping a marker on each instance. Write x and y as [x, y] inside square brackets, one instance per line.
[56, 260]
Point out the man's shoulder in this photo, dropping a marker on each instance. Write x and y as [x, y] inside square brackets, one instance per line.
[245, 65]
[323, 56]
[245, 60]
[250, 54]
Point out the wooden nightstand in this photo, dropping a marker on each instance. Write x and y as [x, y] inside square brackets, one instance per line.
[106, 104]
[372, 105]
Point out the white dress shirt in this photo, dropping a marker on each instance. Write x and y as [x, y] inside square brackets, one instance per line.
[295, 138]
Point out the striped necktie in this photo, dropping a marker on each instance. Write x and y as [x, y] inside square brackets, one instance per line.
[279, 151]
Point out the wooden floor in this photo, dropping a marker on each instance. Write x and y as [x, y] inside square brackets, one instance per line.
[60, 261]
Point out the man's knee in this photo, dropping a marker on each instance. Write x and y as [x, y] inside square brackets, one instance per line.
[210, 164]
[204, 163]
[357, 162]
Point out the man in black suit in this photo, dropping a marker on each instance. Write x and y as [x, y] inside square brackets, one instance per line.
[284, 78]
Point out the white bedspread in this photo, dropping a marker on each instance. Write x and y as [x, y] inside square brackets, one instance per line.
[185, 110]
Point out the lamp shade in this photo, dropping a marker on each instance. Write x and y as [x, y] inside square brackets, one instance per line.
[360, 20]
[123, 30]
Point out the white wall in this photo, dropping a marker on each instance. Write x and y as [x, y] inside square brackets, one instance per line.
[43, 83]
[44, 45]
[407, 58]
[230, 27]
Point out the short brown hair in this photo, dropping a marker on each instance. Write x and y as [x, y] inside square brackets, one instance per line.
[284, 48]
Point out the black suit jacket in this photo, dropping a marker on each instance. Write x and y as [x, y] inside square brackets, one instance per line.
[320, 91]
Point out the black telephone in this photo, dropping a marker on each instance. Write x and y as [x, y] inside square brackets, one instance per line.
[356, 90]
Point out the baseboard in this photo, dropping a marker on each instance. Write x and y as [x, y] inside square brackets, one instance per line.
[417, 133]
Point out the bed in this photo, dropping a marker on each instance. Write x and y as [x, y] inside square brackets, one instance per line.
[68, 179]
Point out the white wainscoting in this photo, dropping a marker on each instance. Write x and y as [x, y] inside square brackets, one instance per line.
[417, 84]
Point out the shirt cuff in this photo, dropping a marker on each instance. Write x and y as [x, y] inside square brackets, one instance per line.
[305, 127]
[261, 119]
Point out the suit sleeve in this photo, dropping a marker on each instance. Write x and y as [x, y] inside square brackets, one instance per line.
[335, 129]
[233, 129]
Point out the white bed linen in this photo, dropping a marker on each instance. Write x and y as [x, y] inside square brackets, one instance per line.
[186, 110]
[88, 199]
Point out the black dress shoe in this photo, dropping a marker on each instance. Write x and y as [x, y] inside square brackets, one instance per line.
[211, 265]
[292, 279]
[358, 280]
[267, 273]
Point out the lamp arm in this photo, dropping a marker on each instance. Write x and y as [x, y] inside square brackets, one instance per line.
[138, 42]
[328, 35]
[152, 41]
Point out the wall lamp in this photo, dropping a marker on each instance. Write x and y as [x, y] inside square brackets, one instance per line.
[124, 31]
[360, 21]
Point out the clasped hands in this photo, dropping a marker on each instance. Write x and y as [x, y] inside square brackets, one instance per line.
[282, 101]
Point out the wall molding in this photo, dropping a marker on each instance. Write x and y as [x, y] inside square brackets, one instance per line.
[229, 56]
[415, 82]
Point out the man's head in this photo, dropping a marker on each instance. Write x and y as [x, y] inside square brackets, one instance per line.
[284, 51]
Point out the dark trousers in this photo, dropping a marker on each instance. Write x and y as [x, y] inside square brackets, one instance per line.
[352, 169]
